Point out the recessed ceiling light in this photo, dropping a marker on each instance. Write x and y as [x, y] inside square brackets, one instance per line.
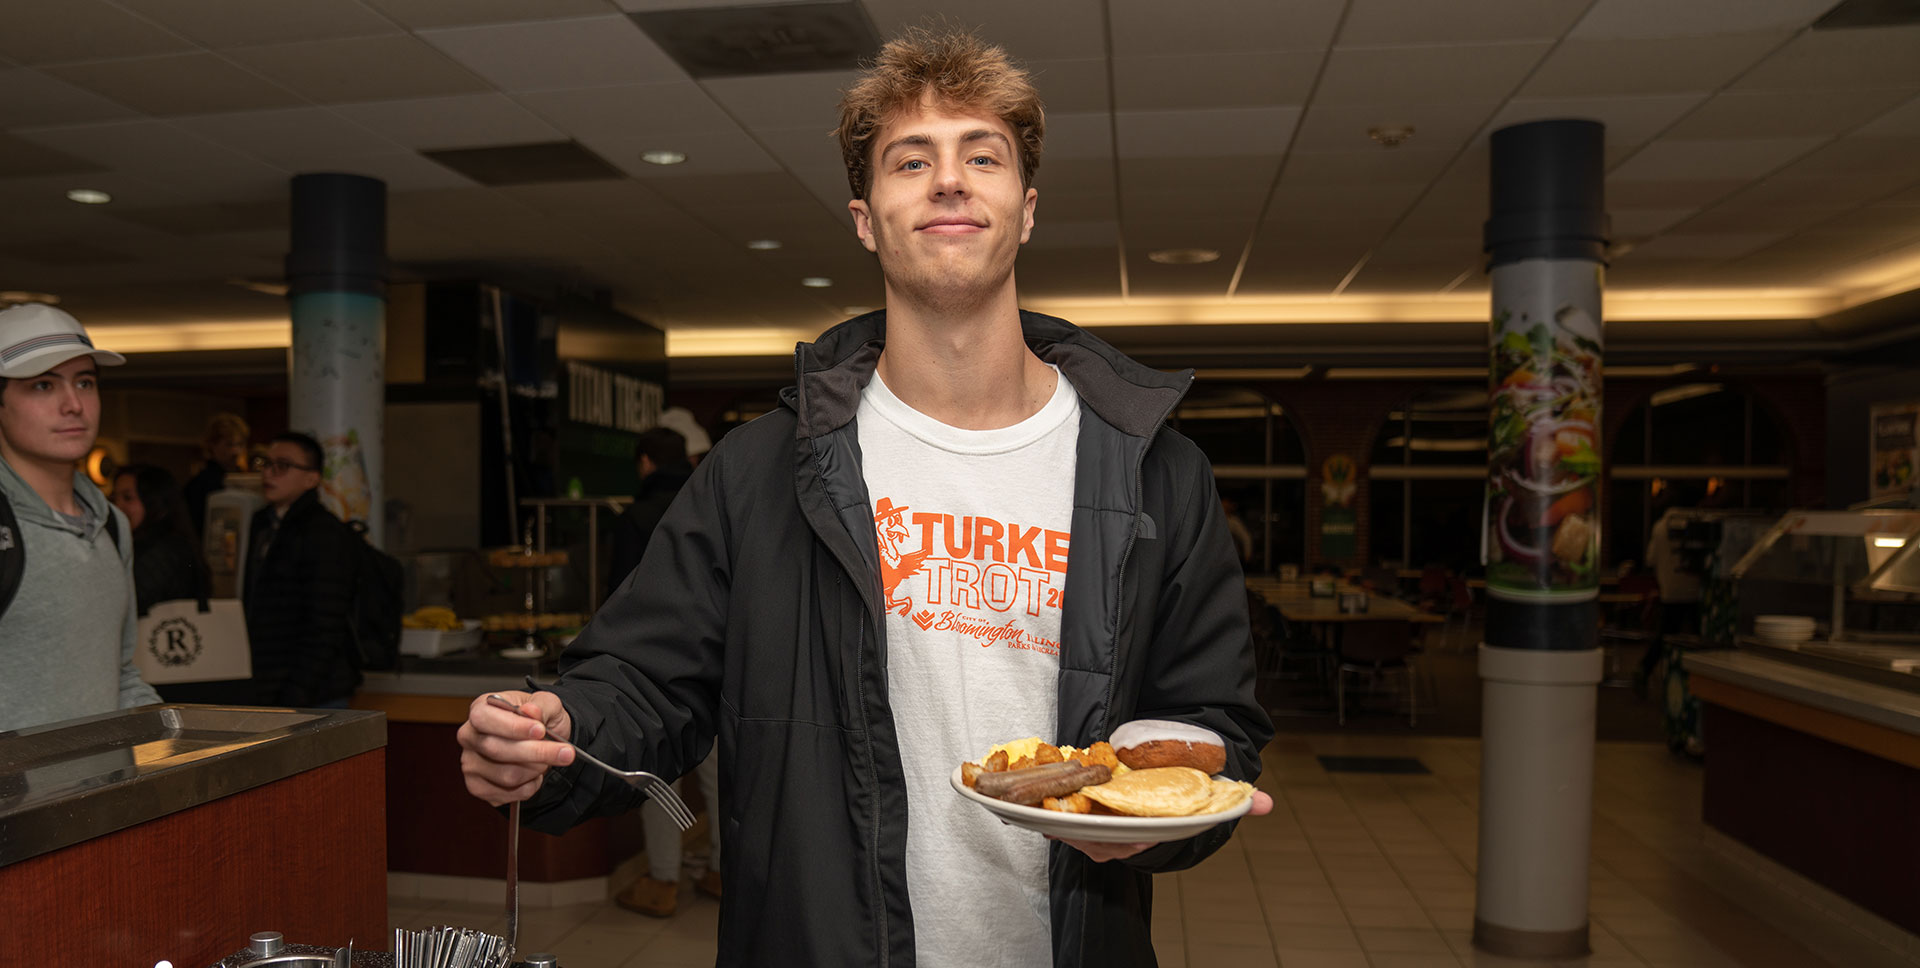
[21, 296]
[816, 282]
[1391, 135]
[663, 157]
[764, 244]
[1183, 257]
[88, 196]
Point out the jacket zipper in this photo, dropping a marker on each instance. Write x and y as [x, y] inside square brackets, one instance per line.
[1120, 573]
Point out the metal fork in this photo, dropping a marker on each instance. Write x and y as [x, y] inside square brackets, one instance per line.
[650, 784]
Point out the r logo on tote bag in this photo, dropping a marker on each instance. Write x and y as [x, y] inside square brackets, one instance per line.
[193, 641]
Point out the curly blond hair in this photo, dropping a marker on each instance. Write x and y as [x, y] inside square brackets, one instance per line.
[954, 68]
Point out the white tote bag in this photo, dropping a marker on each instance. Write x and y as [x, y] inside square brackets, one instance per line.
[193, 641]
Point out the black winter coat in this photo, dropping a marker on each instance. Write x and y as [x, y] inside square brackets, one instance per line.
[755, 618]
[299, 602]
[635, 524]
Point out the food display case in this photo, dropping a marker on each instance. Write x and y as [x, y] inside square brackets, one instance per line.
[1813, 738]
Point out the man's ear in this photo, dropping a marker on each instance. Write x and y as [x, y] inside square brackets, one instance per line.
[1026, 229]
[863, 223]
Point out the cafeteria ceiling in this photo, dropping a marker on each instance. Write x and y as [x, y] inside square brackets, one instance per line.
[1763, 176]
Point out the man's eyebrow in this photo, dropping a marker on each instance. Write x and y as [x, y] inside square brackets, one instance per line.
[910, 140]
[984, 134]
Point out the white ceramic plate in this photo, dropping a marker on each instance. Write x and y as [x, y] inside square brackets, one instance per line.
[1109, 830]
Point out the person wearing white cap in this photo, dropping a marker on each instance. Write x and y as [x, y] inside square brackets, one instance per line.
[66, 556]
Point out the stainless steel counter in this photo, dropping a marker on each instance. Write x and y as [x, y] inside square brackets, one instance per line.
[1884, 705]
[71, 781]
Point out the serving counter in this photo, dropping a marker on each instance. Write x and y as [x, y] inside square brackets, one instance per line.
[1813, 762]
[169, 831]
[441, 841]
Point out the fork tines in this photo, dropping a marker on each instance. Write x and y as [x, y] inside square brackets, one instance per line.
[663, 793]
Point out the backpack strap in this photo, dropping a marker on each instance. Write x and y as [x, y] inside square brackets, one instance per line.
[13, 554]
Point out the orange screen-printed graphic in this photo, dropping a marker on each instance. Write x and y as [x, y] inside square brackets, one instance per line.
[981, 577]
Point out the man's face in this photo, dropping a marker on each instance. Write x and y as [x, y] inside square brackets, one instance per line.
[285, 474]
[946, 212]
[55, 416]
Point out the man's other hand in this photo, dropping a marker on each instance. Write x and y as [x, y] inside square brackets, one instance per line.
[503, 754]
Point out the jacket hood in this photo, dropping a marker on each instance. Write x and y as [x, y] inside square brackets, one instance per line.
[30, 507]
[831, 371]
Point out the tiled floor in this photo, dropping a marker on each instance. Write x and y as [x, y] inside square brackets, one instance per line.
[1355, 871]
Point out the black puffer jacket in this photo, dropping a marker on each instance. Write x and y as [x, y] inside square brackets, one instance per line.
[299, 601]
[755, 617]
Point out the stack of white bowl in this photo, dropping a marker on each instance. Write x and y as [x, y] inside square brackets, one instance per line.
[1783, 631]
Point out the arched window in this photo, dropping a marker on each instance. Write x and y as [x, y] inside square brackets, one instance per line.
[1428, 479]
[1693, 445]
[1259, 465]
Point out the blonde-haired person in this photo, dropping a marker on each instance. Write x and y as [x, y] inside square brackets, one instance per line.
[225, 449]
[792, 604]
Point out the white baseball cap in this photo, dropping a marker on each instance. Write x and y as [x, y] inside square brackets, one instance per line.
[681, 419]
[35, 338]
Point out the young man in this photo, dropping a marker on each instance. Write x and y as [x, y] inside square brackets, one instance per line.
[1061, 557]
[67, 637]
[298, 589]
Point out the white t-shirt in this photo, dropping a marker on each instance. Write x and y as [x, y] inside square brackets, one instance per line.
[973, 528]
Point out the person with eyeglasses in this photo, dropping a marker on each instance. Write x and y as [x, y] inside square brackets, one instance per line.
[298, 589]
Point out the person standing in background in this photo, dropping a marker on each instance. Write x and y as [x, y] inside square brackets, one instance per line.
[226, 450]
[661, 459]
[67, 628]
[299, 585]
[167, 566]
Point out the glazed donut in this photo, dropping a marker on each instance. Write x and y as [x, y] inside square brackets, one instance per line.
[1148, 743]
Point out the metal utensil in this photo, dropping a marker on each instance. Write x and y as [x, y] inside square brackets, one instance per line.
[513, 877]
[650, 784]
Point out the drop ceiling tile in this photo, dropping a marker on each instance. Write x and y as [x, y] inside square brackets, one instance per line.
[1223, 234]
[131, 145]
[1840, 59]
[240, 23]
[804, 149]
[1630, 121]
[1677, 193]
[1056, 30]
[1640, 223]
[72, 30]
[1725, 219]
[1377, 166]
[1192, 203]
[1903, 121]
[24, 159]
[1221, 26]
[1078, 138]
[1674, 159]
[1373, 23]
[1402, 75]
[1790, 188]
[694, 193]
[1641, 19]
[360, 69]
[633, 110]
[291, 137]
[1150, 83]
[178, 84]
[1228, 174]
[1227, 131]
[1073, 206]
[1862, 156]
[1148, 279]
[1294, 200]
[425, 14]
[1347, 127]
[1786, 114]
[1888, 222]
[1685, 245]
[1440, 253]
[1680, 65]
[29, 97]
[1071, 85]
[1062, 234]
[555, 54]
[1374, 278]
[708, 153]
[782, 100]
[401, 171]
[463, 121]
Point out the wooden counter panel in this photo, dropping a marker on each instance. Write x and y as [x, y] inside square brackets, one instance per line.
[1840, 816]
[1890, 744]
[305, 856]
[434, 826]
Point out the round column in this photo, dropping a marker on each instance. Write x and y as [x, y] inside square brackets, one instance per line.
[337, 287]
[1540, 665]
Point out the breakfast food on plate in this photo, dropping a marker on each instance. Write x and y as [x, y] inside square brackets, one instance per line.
[1100, 780]
[1148, 743]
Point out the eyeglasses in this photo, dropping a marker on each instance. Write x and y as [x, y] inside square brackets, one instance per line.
[279, 466]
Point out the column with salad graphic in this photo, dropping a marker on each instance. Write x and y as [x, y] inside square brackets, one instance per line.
[1543, 517]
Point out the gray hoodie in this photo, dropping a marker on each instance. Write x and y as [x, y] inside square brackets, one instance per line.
[66, 642]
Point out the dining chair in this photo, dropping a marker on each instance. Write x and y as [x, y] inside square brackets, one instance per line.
[1375, 649]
